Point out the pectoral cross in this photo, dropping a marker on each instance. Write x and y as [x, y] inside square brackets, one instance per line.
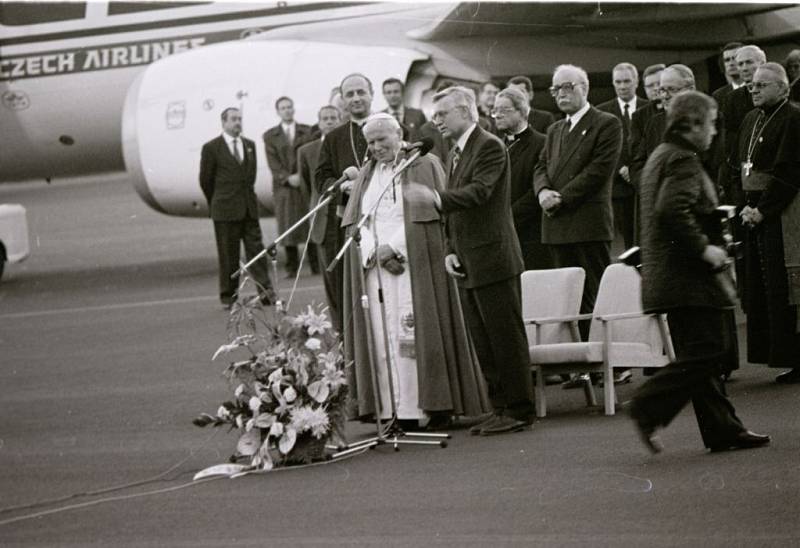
[746, 167]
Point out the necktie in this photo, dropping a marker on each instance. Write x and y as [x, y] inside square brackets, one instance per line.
[236, 153]
[565, 134]
[626, 117]
[455, 159]
[396, 115]
[290, 134]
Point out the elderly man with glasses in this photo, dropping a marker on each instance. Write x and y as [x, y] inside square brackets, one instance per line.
[769, 170]
[573, 182]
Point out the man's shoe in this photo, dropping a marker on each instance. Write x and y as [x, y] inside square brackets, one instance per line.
[439, 422]
[578, 381]
[743, 440]
[504, 424]
[647, 433]
[620, 377]
[789, 377]
[476, 430]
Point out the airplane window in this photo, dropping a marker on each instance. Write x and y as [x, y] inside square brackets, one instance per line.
[120, 8]
[32, 13]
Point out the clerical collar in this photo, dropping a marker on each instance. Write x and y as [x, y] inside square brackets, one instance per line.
[359, 123]
[513, 137]
[734, 85]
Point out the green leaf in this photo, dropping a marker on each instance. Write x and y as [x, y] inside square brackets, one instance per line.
[264, 420]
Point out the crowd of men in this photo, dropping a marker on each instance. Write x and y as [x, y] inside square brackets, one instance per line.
[508, 188]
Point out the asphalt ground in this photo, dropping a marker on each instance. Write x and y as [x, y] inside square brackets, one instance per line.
[106, 338]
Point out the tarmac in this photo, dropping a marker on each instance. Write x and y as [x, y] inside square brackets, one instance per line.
[106, 338]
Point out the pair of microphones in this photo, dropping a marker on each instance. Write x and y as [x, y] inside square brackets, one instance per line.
[418, 148]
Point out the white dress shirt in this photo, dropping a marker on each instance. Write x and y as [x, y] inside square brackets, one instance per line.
[573, 119]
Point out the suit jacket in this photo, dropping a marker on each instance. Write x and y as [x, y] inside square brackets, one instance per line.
[622, 188]
[281, 155]
[540, 120]
[525, 209]
[479, 226]
[720, 95]
[307, 158]
[636, 150]
[227, 185]
[582, 170]
[413, 120]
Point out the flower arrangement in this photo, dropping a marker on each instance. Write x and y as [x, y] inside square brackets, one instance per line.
[290, 394]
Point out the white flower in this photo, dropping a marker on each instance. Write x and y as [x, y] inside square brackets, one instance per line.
[289, 395]
[276, 429]
[255, 405]
[313, 344]
[239, 390]
[223, 412]
[305, 419]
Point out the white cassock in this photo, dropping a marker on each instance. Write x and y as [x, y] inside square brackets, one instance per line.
[386, 226]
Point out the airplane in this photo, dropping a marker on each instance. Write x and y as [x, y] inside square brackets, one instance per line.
[155, 110]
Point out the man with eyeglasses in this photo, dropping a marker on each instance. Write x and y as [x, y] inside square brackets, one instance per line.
[737, 104]
[524, 144]
[573, 180]
[484, 258]
[769, 170]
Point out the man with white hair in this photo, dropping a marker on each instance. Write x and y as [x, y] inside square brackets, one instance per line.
[769, 170]
[483, 256]
[737, 104]
[573, 181]
[402, 249]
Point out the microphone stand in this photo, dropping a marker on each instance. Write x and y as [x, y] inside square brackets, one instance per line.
[392, 432]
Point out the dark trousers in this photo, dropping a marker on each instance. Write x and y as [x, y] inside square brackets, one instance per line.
[229, 234]
[493, 314]
[624, 208]
[772, 337]
[293, 258]
[593, 257]
[334, 238]
[702, 340]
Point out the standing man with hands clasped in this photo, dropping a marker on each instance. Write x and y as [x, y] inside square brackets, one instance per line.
[227, 178]
[483, 255]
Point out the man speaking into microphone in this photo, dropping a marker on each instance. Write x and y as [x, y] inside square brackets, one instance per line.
[402, 251]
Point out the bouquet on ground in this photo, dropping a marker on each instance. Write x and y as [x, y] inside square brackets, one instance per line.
[290, 394]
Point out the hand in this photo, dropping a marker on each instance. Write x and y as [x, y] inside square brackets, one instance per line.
[384, 253]
[549, 200]
[755, 216]
[346, 187]
[293, 180]
[625, 173]
[715, 256]
[453, 266]
[419, 194]
[393, 266]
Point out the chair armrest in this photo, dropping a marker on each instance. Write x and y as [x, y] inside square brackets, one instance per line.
[556, 319]
[622, 316]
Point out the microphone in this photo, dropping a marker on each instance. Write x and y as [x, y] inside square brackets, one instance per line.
[349, 174]
[424, 146]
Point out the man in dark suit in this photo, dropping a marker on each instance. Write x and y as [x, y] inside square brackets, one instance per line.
[411, 119]
[651, 77]
[291, 200]
[573, 181]
[625, 78]
[486, 94]
[734, 79]
[343, 147]
[538, 120]
[484, 258]
[523, 145]
[227, 178]
[323, 237]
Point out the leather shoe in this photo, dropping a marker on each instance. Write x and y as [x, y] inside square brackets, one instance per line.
[439, 422]
[789, 377]
[504, 424]
[476, 430]
[578, 381]
[742, 440]
[647, 432]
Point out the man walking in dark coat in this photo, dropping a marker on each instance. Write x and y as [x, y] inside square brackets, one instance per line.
[227, 178]
[681, 257]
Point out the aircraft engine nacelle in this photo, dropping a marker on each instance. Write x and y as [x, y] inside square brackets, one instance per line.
[174, 107]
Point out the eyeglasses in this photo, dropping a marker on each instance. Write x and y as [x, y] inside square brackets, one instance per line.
[502, 110]
[566, 86]
[759, 85]
[670, 90]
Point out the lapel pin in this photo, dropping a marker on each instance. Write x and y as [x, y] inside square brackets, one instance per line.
[583, 133]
